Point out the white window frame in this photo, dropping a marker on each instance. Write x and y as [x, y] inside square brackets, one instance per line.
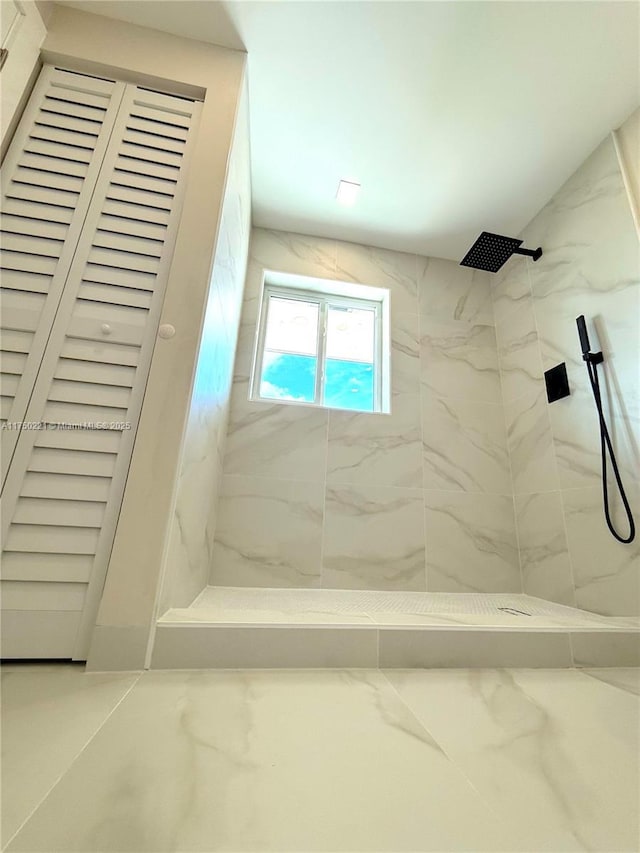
[324, 293]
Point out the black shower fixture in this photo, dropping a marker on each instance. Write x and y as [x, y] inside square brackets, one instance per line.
[592, 360]
[490, 251]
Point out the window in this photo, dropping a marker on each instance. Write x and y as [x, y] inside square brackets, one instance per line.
[321, 348]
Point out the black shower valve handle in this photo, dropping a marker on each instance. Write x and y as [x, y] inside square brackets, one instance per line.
[593, 357]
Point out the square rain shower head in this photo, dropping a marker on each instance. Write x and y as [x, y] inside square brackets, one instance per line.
[490, 252]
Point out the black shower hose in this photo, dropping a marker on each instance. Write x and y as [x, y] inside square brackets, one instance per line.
[605, 445]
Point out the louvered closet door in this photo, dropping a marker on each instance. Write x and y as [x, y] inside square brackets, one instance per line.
[65, 486]
[48, 178]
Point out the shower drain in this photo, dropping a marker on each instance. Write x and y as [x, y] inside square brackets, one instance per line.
[513, 611]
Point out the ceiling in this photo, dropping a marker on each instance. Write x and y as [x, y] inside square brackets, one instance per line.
[455, 117]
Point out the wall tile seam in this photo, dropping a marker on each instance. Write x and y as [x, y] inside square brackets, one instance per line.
[420, 322]
[547, 404]
[415, 490]
[531, 395]
[538, 380]
[513, 303]
[511, 476]
[520, 305]
[511, 401]
[593, 487]
[570, 558]
[422, 317]
[508, 323]
[493, 310]
[553, 441]
[426, 490]
[556, 491]
[462, 399]
[421, 415]
[498, 278]
[434, 395]
[326, 467]
[507, 351]
[538, 492]
[445, 319]
[323, 527]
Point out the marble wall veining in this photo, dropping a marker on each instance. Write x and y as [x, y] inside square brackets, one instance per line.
[188, 557]
[419, 499]
[473, 483]
[590, 266]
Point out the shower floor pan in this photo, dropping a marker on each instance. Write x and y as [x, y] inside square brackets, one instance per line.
[238, 627]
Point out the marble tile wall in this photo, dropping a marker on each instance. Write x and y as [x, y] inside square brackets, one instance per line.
[188, 557]
[590, 266]
[419, 499]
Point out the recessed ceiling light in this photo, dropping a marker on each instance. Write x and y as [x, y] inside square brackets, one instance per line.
[348, 192]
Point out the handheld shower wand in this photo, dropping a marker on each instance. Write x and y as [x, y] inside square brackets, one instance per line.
[592, 360]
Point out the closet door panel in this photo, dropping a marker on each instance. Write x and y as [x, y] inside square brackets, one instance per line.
[61, 486]
[50, 568]
[48, 179]
[94, 292]
[65, 486]
[22, 631]
[38, 228]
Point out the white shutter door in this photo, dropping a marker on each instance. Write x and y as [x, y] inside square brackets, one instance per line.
[65, 485]
[48, 178]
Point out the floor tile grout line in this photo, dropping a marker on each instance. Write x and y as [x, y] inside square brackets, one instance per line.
[588, 671]
[73, 760]
[499, 817]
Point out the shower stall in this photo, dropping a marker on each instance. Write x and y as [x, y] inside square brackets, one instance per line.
[465, 527]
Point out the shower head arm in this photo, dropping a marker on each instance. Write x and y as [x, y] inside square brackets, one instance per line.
[530, 253]
[491, 251]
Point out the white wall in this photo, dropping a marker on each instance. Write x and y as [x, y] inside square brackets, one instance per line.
[188, 560]
[21, 66]
[628, 140]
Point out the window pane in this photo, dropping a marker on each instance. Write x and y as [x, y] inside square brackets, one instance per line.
[350, 333]
[292, 325]
[348, 385]
[288, 377]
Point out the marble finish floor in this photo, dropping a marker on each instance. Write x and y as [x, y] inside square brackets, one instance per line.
[251, 606]
[301, 760]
